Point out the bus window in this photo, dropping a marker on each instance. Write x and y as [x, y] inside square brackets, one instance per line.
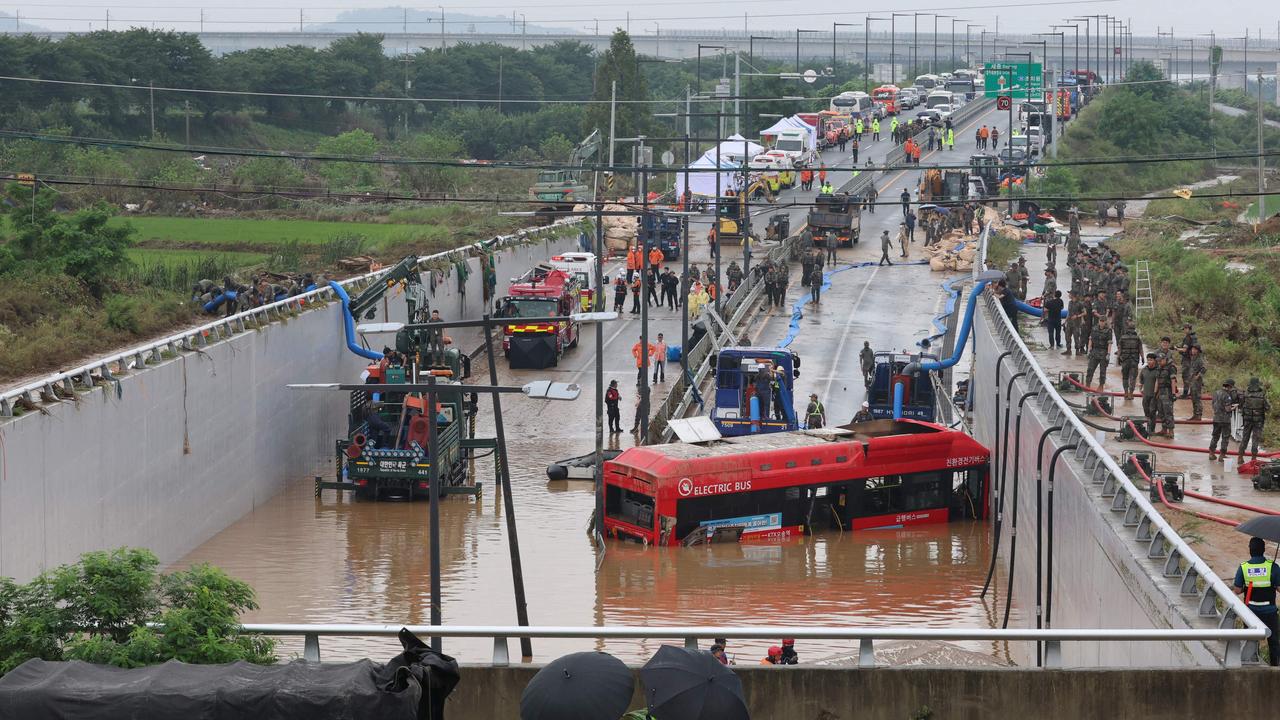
[629, 506]
[901, 493]
[742, 507]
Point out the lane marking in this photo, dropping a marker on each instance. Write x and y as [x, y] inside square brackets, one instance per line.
[844, 333]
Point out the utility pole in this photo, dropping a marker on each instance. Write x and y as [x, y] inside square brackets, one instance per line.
[613, 119]
[737, 94]
[186, 106]
[152, 88]
[1262, 198]
[643, 380]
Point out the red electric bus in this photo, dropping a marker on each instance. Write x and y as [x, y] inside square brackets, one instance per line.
[887, 95]
[878, 474]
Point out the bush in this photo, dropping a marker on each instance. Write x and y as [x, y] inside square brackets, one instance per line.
[99, 608]
[122, 313]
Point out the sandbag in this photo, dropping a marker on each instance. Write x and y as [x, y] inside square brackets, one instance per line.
[937, 264]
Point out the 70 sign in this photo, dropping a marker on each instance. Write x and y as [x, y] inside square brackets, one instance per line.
[1004, 102]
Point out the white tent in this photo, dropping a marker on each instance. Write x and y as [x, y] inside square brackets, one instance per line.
[702, 182]
[793, 123]
[733, 149]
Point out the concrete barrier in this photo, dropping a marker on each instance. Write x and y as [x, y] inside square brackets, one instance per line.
[167, 456]
[838, 693]
[1101, 579]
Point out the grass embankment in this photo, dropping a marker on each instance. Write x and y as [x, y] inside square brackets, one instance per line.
[1235, 311]
[49, 321]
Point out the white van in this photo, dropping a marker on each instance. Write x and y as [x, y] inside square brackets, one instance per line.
[939, 97]
[796, 145]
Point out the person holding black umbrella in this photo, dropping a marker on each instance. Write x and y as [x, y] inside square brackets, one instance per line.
[1256, 583]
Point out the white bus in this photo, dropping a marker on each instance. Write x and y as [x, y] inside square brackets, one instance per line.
[928, 82]
[854, 104]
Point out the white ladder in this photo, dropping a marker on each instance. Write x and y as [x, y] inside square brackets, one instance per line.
[1143, 297]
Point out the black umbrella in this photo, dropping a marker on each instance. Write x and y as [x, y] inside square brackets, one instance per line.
[581, 686]
[682, 684]
[1266, 527]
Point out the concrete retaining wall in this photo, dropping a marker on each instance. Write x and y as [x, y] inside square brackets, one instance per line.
[176, 452]
[1099, 579]
[827, 693]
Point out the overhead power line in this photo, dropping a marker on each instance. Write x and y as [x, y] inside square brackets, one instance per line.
[508, 164]
[387, 196]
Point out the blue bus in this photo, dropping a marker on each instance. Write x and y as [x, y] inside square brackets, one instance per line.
[737, 410]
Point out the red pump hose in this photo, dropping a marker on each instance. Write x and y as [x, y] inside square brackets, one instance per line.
[1082, 386]
[1186, 448]
[1166, 503]
[1097, 406]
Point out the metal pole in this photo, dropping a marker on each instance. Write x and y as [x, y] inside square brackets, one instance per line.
[684, 260]
[613, 119]
[716, 250]
[433, 476]
[866, 54]
[797, 49]
[1262, 199]
[152, 86]
[598, 471]
[644, 304]
[893, 49]
[508, 503]
[737, 93]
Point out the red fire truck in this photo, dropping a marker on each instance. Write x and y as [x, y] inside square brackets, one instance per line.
[878, 474]
[542, 292]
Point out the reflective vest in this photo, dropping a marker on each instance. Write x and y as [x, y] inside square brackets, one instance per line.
[1257, 581]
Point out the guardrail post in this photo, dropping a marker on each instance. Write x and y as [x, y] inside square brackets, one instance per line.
[311, 647]
[501, 658]
[691, 643]
[1053, 653]
[866, 653]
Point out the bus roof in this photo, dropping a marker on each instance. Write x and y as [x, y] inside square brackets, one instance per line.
[803, 457]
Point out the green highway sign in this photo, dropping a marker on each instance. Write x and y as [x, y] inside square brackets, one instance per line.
[1020, 80]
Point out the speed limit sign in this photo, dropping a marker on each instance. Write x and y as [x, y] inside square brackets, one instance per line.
[1004, 102]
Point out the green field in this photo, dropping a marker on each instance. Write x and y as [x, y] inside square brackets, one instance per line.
[159, 256]
[185, 232]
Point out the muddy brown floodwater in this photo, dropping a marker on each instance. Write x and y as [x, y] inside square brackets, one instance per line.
[332, 560]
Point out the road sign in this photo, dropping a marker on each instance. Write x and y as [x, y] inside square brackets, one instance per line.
[1020, 80]
[810, 76]
[27, 179]
[722, 88]
[1004, 102]
[608, 180]
[668, 158]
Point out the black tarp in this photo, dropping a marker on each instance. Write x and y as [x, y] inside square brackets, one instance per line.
[413, 686]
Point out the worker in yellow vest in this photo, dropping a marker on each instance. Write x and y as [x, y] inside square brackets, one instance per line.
[1256, 583]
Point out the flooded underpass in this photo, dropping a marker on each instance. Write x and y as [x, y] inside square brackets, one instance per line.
[332, 560]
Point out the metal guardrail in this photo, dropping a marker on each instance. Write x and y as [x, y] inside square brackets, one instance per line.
[680, 399]
[65, 385]
[896, 158]
[866, 637]
[1161, 543]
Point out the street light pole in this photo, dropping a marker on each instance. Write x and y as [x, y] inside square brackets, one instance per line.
[835, 25]
[798, 31]
[866, 51]
[893, 46]
[643, 380]
[955, 20]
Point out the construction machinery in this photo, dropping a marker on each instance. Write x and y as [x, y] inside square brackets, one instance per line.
[944, 187]
[561, 189]
[384, 454]
[919, 401]
[840, 214]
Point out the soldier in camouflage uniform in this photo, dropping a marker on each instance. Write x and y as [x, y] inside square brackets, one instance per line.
[1193, 376]
[1075, 310]
[1166, 389]
[1129, 354]
[1099, 352]
[1121, 314]
[1254, 407]
[1225, 400]
[1085, 325]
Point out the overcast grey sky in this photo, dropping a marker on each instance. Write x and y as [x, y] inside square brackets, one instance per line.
[1187, 18]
